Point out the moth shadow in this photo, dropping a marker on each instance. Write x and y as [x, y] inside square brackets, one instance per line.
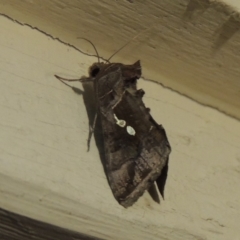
[90, 106]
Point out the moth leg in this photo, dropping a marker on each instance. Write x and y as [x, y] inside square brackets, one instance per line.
[68, 80]
[91, 130]
[74, 80]
[76, 90]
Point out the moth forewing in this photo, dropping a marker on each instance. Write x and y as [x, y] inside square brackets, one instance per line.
[136, 148]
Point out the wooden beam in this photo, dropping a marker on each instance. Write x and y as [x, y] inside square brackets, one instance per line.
[14, 226]
[189, 46]
[47, 174]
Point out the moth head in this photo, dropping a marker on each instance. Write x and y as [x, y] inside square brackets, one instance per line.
[95, 69]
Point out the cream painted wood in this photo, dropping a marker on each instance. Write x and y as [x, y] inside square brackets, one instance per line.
[46, 172]
[191, 46]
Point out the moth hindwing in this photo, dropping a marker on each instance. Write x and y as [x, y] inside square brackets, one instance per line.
[136, 147]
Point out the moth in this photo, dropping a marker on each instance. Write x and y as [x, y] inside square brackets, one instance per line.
[136, 147]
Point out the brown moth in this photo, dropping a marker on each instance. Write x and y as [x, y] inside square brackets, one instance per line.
[136, 148]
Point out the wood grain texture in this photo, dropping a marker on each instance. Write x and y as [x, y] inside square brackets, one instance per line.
[47, 174]
[199, 39]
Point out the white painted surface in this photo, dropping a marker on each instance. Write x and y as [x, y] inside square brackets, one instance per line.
[191, 46]
[46, 173]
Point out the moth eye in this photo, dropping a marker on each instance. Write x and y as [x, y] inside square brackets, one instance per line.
[94, 71]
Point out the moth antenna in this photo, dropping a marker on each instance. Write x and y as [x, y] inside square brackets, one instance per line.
[92, 46]
[136, 36]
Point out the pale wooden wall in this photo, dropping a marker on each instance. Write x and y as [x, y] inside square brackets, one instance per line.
[190, 46]
[46, 173]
